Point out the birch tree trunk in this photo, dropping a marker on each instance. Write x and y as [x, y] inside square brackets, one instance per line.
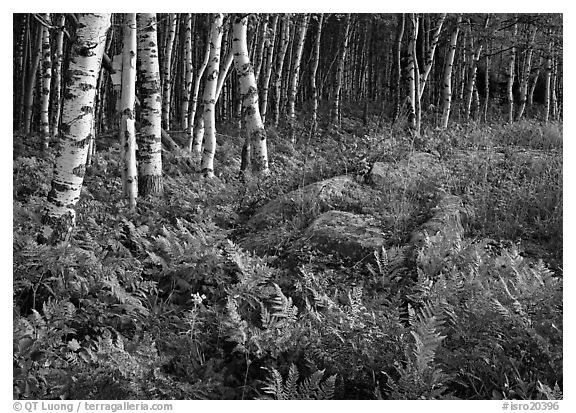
[18, 73]
[209, 98]
[127, 101]
[299, 39]
[194, 146]
[511, 73]
[261, 39]
[31, 81]
[547, 78]
[431, 50]
[199, 125]
[46, 79]
[57, 73]
[413, 91]
[340, 72]
[398, 65]
[447, 77]
[59, 216]
[526, 74]
[314, 69]
[534, 82]
[188, 72]
[268, 70]
[249, 95]
[284, 40]
[150, 139]
[167, 69]
[473, 64]
[486, 87]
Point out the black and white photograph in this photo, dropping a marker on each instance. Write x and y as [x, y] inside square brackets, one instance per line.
[286, 206]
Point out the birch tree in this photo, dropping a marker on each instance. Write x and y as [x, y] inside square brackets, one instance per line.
[46, 78]
[340, 71]
[127, 101]
[314, 69]
[447, 77]
[510, 75]
[199, 125]
[31, 81]
[525, 78]
[284, 40]
[193, 145]
[150, 139]
[261, 39]
[167, 69]
[475, 53]
[188, 71]
[256, 139]
[268, 70]
[547, 78]
[57, 74]
[398, 64]
[430, 54]
[209, 98]
[59, 216]
[412, 73]
[295, 75]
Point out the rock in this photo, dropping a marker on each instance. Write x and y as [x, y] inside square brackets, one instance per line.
[447, 216]
[344, 234]
[405, 173]
[340, 192]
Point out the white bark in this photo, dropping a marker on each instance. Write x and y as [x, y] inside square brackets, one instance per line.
[447, 81]
[167, 79]
[193, 145]
[209, 98]
[199, 125]
[188, 72]
[57, 71]
[526, 74]
[340, 71]
[547, 79]
[31, 82]
[413, 92]
[295, 75]
[249, 96]
[127, 100]
[511, 73]
[261, 40]
[430, 55]
[315, 60]
[77, 113]
[150, 138]
[473, 65]
[46, 78]
[268, 72]
[284, 40]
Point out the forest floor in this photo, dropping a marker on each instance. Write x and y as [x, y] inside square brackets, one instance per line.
[369, 264]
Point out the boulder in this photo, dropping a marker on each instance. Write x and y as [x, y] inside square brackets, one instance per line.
[447, 216]
[344, 234]
[340, 192]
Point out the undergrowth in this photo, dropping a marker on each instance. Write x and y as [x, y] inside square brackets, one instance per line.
[162, 304]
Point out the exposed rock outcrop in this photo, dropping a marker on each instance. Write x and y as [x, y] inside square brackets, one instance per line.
[346, 235]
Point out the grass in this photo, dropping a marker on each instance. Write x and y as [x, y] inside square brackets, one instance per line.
[131, 285]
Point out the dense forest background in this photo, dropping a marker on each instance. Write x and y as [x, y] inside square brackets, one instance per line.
[287, 206]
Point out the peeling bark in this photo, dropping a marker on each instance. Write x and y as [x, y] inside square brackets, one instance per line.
[46, 79]
[447, 78]
[150, 138]
[59, 216]
[249, 95]
[209, 98]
